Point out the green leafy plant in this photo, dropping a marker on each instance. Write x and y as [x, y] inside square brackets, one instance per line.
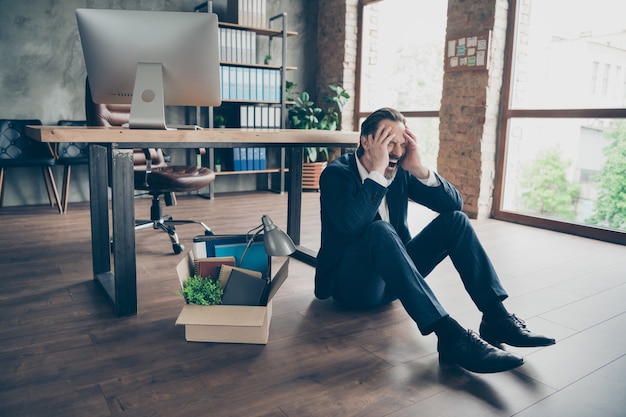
[303, 114]
[203, 291]
[219, 120]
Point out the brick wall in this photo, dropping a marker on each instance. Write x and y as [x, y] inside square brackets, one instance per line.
[470, 106]
[337, 48]
[470, 100]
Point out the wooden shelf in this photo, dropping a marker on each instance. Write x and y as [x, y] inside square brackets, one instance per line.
[261, 31]
[250, 65]
[255, 171]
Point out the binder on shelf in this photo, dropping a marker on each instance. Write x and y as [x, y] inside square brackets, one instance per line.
[245, 83]
[237, 159]
[232, 84]
[250, 158]
[274, 85]
[266, 83]
[223, 43]
[243, 116]
[262, 161]
[265, 117]
[238, 46]
[243, 156]
[259, 84]
[251, 116]
[253, 84]
[230, 47]
[225, 82]
[240, 83]
[256, 158]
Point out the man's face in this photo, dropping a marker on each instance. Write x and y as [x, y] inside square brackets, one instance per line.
[396, 147]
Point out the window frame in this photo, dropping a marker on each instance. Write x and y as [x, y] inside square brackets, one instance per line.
[358, 114]
[507, 113]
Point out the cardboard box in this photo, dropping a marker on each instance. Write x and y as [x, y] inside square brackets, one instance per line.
[227, 323]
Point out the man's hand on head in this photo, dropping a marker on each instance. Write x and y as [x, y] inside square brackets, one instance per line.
[376, 155]
[412, 160]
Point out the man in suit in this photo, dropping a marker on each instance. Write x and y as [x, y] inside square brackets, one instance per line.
[368, 257]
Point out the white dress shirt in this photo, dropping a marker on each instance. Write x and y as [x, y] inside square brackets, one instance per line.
[383, 209]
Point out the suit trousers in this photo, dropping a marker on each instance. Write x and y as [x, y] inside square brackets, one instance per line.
[379, 268]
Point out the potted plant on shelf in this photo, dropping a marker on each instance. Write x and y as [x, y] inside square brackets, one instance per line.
[303, 114]
[219, 121]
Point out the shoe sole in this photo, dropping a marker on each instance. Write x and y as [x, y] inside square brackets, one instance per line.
[498, 343]
[444, 361]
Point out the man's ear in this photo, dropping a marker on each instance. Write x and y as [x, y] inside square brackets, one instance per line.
[362, 141]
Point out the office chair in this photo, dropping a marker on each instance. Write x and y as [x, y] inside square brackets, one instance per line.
[152, 173]
[69, 154]
[18, 150]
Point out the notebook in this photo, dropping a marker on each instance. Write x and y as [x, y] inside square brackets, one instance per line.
[243, 288]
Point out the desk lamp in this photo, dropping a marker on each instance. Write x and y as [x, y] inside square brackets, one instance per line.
[276, 242]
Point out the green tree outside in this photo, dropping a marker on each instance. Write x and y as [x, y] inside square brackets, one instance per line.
[610, 209]
[548, 191]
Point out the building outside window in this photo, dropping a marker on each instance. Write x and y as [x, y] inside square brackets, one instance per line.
[402, 65]
[565, 126]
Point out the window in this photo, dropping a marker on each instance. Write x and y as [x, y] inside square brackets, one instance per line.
[401, 65]
[564, 129]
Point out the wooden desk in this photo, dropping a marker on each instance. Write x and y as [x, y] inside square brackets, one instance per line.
[112, 147]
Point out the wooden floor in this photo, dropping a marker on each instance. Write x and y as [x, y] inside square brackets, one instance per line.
[63, 352]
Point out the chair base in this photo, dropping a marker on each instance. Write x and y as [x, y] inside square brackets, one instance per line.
[167, 223]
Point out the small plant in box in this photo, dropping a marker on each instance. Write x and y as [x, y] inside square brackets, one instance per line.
[203, 291]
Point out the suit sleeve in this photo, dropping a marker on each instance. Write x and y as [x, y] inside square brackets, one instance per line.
[443, 198]
[349, 204]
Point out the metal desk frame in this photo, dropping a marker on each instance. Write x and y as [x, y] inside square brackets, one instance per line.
[111, 154]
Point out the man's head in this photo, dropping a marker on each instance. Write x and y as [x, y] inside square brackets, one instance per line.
[389, 117]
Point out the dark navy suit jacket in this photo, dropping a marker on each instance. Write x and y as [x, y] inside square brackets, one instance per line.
[348, 206]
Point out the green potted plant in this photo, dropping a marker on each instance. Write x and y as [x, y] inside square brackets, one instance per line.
[303, 114]
[203, 291]
[219, 120]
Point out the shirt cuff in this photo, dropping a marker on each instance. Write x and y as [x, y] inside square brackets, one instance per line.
[378, 178]
[431, 181]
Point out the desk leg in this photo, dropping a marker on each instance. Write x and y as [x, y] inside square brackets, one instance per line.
[123, 213]
[120, 285]
[294, 207]
[99, 209]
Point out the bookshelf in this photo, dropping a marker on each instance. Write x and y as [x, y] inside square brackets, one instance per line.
[253, 90]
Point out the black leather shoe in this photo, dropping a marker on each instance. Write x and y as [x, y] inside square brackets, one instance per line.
[512, 331]
[476, 355]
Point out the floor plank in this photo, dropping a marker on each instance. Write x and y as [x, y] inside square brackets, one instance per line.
[64, 353]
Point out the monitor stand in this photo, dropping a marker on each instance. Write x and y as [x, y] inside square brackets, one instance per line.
[147, 109]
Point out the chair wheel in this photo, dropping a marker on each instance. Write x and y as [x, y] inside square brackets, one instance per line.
[178, 248]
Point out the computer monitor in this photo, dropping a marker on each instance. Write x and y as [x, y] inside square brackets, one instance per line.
[150, 59]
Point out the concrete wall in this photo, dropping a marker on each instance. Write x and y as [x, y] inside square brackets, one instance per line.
[42, 72]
